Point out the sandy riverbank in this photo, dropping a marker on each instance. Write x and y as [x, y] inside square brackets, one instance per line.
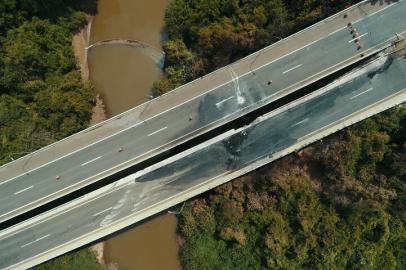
[98, 250]
[79, 42]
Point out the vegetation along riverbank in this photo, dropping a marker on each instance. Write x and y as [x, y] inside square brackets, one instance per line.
[342, 206]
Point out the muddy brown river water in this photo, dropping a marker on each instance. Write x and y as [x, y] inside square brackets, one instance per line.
[123, 75]
[149, 246]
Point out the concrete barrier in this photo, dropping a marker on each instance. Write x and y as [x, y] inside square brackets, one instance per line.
[197, 87]
[393, 100]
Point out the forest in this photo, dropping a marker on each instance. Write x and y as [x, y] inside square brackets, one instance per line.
[343, 206]
[42, 96]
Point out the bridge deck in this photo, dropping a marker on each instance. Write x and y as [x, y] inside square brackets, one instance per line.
[212, 100]
[138, 196]
[173, 98]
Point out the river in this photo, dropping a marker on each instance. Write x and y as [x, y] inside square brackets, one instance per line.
[123, 75]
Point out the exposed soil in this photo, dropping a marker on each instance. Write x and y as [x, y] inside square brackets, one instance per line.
[79, 42]
[98, 111]
[98, 250]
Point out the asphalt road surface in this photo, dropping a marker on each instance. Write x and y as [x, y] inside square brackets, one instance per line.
[94, 162]
[351, 94]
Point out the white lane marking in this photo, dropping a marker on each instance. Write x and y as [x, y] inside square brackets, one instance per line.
[339, 29]
[357, 95]
[224, 100]
[159, 130]
[131, 160]
[202, 94]
[101, 212]
[25, 189]
[98, 196]
[352, 40]
[289, 70]
[172, 108]
[90, 161]
[38, 239]
[300, 122]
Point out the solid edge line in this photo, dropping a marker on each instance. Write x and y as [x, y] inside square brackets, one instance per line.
[123, 114]
[215, 139]
[224, 68]
[284, 93]
[80, 241]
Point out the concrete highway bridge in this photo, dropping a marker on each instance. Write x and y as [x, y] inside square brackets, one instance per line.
[372, 82]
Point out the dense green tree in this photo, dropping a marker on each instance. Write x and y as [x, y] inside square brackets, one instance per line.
[42, 95]
[34, 51]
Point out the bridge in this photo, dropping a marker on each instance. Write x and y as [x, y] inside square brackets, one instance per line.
[194, 109]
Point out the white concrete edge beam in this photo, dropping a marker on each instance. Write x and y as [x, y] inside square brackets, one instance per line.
[286, 107]
[189, 136]
[154, 209]
[143, 105]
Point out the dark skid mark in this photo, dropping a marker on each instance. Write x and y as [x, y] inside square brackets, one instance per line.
[207, 110]
[234, 147]
[190, 166]
[233, 144]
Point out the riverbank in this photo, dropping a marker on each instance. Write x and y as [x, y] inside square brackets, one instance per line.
[80, 42]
